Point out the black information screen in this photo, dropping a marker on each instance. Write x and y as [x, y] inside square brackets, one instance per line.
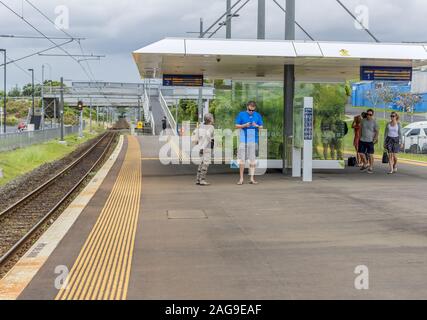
[386, 73]
[182, 80]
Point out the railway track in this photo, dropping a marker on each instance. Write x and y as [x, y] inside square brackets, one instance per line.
[20, 222]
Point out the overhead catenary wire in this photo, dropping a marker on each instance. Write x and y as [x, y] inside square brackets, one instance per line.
[357, 20]
[228, 19]
[219, 19]
[79, 43]
[37, 53]
[12, 36]
[40, 32]
[90, 75]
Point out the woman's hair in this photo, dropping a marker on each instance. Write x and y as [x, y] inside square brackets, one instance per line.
[208, 118]
[357, 119]
[397, 115]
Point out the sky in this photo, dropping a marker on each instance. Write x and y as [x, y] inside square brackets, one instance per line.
[116, 28]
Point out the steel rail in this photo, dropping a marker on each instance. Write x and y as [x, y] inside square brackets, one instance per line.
[28, 235]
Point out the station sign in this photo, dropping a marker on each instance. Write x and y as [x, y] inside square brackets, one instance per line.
[386, 74]
[182, 80]
[308, 124]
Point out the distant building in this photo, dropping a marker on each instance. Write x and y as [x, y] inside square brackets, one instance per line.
[418, 85]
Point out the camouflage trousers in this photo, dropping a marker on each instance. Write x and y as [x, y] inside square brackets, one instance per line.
[206, 158]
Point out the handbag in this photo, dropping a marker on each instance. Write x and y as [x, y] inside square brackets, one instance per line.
[352, 161]
[385, 157]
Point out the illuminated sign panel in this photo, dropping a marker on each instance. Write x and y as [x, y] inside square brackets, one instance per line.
[182, 80]
[386, 73]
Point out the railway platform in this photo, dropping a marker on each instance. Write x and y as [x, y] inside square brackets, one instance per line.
[141, 230]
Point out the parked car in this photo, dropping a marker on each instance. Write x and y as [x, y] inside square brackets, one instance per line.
[415, 137]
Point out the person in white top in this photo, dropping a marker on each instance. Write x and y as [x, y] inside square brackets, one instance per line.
[204, 137]
[393, 140]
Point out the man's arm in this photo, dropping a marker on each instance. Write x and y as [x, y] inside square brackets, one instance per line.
[240, 125]
[377, 132]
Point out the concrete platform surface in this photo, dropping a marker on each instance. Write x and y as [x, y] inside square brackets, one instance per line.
[282, 239]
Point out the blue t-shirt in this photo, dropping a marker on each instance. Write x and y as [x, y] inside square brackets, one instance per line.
[251, 134]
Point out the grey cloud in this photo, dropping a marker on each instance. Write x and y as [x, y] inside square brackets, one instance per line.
[116, 28]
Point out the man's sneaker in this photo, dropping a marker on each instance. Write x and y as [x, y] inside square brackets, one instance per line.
[204, 183]
[395, 170]
[363, 168]
[370, 171]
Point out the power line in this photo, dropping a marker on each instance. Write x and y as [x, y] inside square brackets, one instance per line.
[32, 26]
[229, 18]
[355, 18]
[20, 68]
[38, 53]
[45, 16]
[219, 19]
[303, 30]
[50, 20]
[12, 36]
[80, 45]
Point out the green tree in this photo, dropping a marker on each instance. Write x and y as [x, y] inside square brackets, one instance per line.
[15, 92]
[27, 90]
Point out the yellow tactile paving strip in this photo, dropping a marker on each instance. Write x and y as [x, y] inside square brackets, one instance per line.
[102, 269]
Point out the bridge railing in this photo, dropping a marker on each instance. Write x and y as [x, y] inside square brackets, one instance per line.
[146, 105]
[12, 141]
[168, 113]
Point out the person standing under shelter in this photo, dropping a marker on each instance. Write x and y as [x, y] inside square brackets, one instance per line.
[250, 123]
[357, 127]
[204, 137]
[393, 140]
[368, 139]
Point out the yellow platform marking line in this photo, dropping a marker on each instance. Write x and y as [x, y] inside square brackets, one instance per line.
[102, 269]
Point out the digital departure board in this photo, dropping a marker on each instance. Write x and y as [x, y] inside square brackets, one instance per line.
[182, 80]
[386, 73]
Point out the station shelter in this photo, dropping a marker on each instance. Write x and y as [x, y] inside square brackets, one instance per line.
[301, 87]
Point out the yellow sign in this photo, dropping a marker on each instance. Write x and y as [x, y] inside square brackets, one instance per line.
[140, 125]
[344, 53]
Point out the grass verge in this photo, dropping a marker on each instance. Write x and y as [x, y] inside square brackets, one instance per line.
[21, 161]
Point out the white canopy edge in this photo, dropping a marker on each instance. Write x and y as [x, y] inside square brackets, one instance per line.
[250, 59]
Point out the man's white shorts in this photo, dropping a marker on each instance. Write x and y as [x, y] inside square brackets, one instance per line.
[247, 151]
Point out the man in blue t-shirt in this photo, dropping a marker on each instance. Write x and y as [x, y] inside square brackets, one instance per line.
[249, 122]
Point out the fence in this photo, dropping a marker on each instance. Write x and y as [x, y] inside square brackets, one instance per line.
[12, 141]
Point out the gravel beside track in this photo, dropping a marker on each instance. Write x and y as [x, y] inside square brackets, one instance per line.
[19, 221]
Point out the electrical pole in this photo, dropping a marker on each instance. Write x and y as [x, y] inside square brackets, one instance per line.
[261, 19]
[32, 94]
[228, 20]
[61, 106]
[42, 93]
[5, 92]
[90, 116]
[289, 91]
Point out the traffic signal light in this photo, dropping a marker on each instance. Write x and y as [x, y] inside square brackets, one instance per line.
[80, 106]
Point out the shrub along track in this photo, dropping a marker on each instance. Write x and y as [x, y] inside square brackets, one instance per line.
[24, 222]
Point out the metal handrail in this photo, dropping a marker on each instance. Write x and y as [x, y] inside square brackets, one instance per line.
[153, 124]
[168, 113]
[146, 105]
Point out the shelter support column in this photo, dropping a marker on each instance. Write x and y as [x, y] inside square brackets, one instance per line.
[288, 128]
